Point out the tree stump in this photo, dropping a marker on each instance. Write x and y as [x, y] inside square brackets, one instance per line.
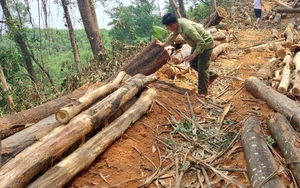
[216, 17]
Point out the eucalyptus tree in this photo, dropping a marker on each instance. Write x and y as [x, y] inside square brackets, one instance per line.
[89, 19]
[76, 54]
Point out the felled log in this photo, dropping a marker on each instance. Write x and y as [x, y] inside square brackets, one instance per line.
[279, 50]
[67, 112]
[219, 36]
[147, 62]
[20, 170]
[17, 142]
[179, 56]
[275, 34]
[287, 10]
[84, 156]
[276, 79]
[218, 50]
[285, 76]
[278, 2]
[288, 34]
[259, 159]
[277, 18]
[287, 141]
[216, 17]
[260, 48]
[296, 61]
[265, 72]
[33, 115]
[296, 86]
[171, 71]
[275, 100]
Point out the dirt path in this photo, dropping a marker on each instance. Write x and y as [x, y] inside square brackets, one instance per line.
[149, 144]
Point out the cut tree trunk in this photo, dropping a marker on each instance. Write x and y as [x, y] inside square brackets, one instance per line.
[285, 76]
[296, 87]
[216, 17]
[259, 159]
[275, 34]
[178, 57]
[288, 10]
[17, 142]
[84, 156]
[288, 142]
[218, 50]
[147, 62]
[20, 170]
[64, 114]
[288, 34]
[296, 61]
[279, 50]
[275, 100]
[265, 73]
[219, 36]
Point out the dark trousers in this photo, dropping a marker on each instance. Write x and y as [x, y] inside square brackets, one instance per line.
[201, 65]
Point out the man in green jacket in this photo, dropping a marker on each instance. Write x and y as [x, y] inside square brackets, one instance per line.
[202, 45]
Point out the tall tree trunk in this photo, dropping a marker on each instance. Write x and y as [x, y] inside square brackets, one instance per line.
[10, 102]
[213, 5]
[182, 9]
[91, 29]
[175, 8]
[18, 38]
[76, 54]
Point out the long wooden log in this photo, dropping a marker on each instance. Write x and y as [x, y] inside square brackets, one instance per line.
[17, 142]
[285, 75]
[218, 50]
[259, 159]
[147, 62]
[275, 100]
[296, 61]
[20, 170]
[276, 79]
[288, 142]
[67, 112]
[278, 2]
[33, 115]
[279, 50]
[83, 157]
[296, 86]
[288, 33]
[288, 10]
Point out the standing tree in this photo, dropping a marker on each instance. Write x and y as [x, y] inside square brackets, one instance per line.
[181, 8]
[19, 37]
[175, 8]
[10, 102]
[65, 4]
[91, 28]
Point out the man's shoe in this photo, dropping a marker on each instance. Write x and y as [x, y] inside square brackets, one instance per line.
[212, 78]
[200, 96]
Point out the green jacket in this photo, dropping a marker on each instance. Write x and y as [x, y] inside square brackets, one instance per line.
[193, 34]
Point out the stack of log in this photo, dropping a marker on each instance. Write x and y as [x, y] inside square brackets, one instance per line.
[49, 151]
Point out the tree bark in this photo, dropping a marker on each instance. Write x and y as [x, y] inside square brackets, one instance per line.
[27, 164]
[216, 17]
[296, 86]
[175, 8]
[218, 50]
[265, 73]
[219, 36]
[182, 8]
[76, 55]
[259, 159]
[147, 62]
[276, 79]
[275, 100]
[84, 156]
[17, 142]
[296, 61]
[285, 75]
[288, 10]
[91, 29]
[10, 102]
[279, 50]
[33, 115]
[288, 142]
[67, 112]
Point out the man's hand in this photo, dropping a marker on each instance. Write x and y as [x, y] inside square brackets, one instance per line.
[190, 57]
[159, 43]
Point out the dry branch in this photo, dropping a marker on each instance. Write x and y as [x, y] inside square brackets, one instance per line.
[20, 170]
[275, 100]
[259, 159]
[70, 110]
[83, 157]
[288, 142]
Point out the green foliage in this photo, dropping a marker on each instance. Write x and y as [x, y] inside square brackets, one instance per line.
[160, 33]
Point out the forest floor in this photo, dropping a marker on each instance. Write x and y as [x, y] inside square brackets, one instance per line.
[161, 137]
